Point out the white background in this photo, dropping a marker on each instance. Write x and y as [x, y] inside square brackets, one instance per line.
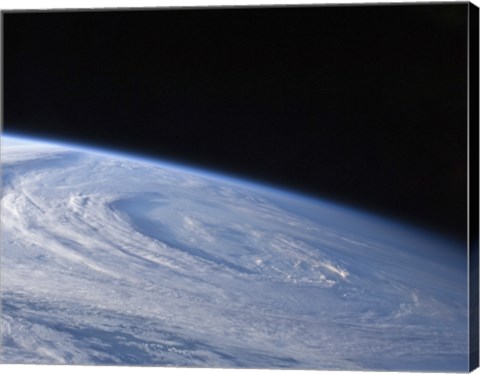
[62, 4]
[83, 4]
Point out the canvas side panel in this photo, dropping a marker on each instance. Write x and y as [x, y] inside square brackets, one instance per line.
[473, 186]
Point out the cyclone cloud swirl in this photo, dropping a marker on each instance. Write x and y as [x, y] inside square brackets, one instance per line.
[107, 260]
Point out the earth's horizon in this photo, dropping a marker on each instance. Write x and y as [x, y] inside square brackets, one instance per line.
[121, 261]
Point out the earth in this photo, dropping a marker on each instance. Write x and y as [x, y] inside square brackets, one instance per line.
[115, 259]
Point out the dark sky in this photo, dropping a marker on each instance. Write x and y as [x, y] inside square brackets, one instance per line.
[364, 105]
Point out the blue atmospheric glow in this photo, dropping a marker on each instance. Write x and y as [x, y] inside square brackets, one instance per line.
[357, 220]
[337, 285]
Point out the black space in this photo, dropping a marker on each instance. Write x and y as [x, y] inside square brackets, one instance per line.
[365, 105]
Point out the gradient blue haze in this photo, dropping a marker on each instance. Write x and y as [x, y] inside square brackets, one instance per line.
[110, 258]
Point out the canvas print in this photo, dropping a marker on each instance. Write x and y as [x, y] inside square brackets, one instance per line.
[241, 187]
